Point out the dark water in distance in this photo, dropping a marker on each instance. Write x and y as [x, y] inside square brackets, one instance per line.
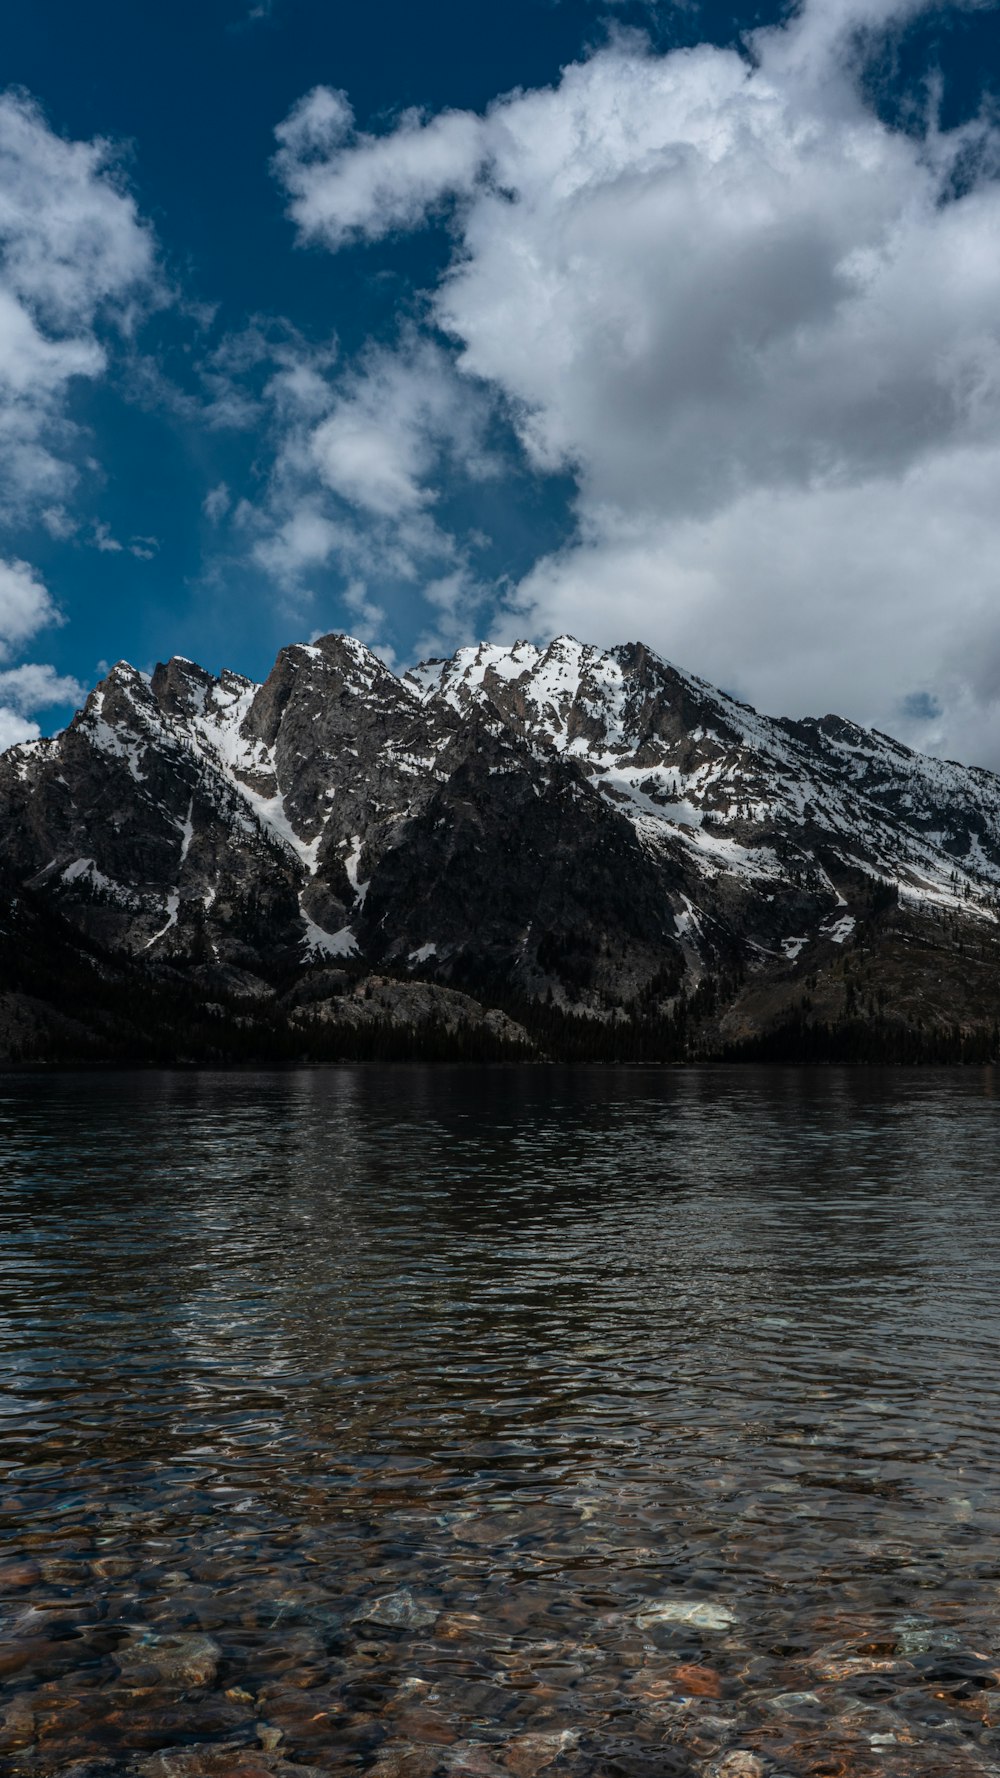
[589, 1421]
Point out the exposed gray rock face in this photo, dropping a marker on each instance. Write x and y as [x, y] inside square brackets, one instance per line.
[749, 797]
[598, 830]
[380, 1001]
[124, 825]
[511, 871]
[332, 812]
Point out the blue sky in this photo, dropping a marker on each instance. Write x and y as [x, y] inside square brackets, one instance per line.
[433, 323]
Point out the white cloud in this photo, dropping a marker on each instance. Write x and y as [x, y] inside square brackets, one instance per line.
[357, 456]
[26, 606]
[76, 262]
[34, 686]
[345, 184]
[104, 541]
[74, 255]
[14, 729]
[773, 597]
[368, 621]
[359, 453]
[58, 522]
[217, 503]
[759, 329]
[71, 234]
[388, 424]
[456, 603]
[319, 123]
[303, 540]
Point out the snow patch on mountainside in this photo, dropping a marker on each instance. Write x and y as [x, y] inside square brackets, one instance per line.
[732, 777]
[173, 904]
[782, 834]
[318, 943]
[85, 871]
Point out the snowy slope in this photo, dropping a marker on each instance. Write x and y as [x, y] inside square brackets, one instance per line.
[747, 795]
[569, 820]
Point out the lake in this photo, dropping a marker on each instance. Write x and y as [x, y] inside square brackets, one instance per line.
[624, 1423]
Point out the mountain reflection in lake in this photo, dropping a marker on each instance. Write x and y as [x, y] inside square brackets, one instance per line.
[616, 1423]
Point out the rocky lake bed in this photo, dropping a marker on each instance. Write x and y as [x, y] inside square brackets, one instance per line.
[601, 1424]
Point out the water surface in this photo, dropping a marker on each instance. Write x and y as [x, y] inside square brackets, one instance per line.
[589, 1421]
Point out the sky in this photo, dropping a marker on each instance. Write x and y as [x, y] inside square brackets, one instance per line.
[432, 324]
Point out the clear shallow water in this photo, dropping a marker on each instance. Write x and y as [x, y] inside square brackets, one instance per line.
[591, 1422]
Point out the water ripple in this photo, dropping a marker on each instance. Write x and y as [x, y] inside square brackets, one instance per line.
[592, 1421]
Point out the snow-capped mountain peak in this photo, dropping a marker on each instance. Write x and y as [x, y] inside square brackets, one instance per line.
[572, 820]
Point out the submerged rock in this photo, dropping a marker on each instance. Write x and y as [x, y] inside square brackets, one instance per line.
[397, 1611]
[406, 1759]
[17, 1574]
[921, 1639]
[476, 1758]
[739, 1763]
[699, 1613]
[96, 1768]
[626, 1756]
[794, 1703]
[188, 1661]
[528, 1754]
[215, 1760]
[17, 1723]
[699, 1682]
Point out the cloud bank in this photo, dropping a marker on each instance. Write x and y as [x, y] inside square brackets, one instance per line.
[75, 259]
[74, 256]
[26, 606]
[362, 452]
[760, 329]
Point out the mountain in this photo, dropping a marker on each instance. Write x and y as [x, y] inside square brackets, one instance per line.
[516, 850]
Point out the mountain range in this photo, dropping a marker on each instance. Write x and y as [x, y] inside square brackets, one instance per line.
[517, 851]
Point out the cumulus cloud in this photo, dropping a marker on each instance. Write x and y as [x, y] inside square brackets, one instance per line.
[217, 503]
[456, 603]
[388, 424]
[104, 541]
[361, 451]
[14, 729]
[144, 548]
[38, 687]
[759, 327]
[74, 256]
[345, 184]
[26, 606]
[261, 13]
[77, 265]
[368, 621]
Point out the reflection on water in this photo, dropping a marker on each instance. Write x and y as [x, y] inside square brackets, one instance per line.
[494, 1422]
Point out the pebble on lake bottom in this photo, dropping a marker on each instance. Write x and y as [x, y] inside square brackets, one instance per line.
[699, 1613]
[397, 1611]
[738, 1764]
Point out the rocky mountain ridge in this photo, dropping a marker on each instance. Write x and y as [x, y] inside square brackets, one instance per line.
[564, 833]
